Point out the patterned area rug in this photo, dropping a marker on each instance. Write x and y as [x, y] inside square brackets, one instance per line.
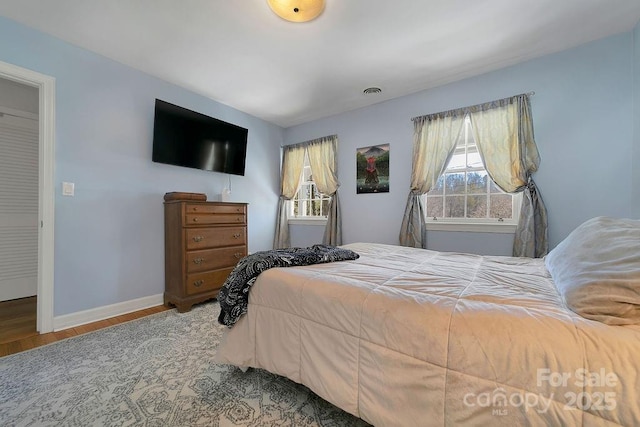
[155, 371]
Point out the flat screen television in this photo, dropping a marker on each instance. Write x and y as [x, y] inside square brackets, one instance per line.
[183, 137]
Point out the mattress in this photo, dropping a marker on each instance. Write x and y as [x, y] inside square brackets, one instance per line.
[406, 337]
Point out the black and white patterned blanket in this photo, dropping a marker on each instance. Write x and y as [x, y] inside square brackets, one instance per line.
[234, 295]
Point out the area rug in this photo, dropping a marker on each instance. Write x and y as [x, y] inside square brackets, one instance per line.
[155, 371]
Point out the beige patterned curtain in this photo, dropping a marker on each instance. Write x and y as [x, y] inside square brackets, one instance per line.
[503, 131]
[434, 141]
[322, 159]
[292, 164]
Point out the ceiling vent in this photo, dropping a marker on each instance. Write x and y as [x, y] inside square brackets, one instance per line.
[371, 90]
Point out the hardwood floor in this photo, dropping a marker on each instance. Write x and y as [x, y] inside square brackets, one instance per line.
[17, 319]
[18, 325]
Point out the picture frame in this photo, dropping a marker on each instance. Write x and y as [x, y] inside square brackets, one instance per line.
[372, 169]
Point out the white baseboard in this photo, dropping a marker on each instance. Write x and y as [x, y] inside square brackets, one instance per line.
[67, 321]
[21, 287]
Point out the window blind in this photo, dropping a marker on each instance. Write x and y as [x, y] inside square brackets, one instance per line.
[19, 169]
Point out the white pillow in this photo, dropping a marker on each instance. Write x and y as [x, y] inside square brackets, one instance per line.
[597, 270]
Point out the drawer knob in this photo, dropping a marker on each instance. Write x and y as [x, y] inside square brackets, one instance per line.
[236, 236]
[198, 238]
[198, 260]
[195, 209]
[238, 255]
[195, 219]
[239, 219]
[198, 283]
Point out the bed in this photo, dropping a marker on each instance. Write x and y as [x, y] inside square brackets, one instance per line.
[406, 337]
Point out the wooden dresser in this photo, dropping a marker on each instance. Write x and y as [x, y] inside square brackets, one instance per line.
[203, 242]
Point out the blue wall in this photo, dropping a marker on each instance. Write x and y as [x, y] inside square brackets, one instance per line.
[109, 238]
[583, 121]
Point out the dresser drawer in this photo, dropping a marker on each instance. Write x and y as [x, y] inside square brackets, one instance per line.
[202, 238]
[200, 208]
[198, 219]
[209, 281]
[212, 259]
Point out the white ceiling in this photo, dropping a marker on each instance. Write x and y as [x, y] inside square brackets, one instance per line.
[239, 53]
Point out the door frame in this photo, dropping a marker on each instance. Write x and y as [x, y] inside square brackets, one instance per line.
[46, 192]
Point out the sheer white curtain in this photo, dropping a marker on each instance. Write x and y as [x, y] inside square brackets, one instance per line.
[434, 141]
[323, 162]
[503, 131]
[292, 164]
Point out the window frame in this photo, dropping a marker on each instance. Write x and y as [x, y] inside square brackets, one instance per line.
[313, 189]
[481, 225]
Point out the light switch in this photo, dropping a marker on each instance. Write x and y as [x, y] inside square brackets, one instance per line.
[67, 188]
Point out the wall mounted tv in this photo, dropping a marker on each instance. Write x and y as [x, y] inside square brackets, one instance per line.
[185, 138]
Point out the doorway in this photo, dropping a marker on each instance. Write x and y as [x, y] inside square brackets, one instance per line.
[19, 172]
[40, 218]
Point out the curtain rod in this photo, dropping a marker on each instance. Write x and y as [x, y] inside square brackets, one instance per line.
[310, 141]
[471, 106]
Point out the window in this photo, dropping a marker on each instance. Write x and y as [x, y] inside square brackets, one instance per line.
[309, 203]
[465, 194]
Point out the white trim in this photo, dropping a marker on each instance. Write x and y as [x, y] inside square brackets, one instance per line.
[46, 111]
[19, 287]
[308, 221]
[495, 227]
[67, 321]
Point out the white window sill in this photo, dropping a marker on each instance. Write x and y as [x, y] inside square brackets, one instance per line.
[470, 227]
[308, 221]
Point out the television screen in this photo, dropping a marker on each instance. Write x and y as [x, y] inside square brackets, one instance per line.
[185, 138]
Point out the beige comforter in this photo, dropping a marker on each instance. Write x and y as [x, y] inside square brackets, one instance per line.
[410, 337]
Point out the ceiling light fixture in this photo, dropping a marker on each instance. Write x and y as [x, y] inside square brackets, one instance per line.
[297, 10]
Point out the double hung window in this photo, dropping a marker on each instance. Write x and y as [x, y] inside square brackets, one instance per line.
[309, 203]
[465, 194]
